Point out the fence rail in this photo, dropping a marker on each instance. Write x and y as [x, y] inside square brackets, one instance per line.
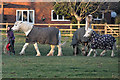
[113, 29]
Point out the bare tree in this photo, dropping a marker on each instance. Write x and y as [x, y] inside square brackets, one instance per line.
[77, 9]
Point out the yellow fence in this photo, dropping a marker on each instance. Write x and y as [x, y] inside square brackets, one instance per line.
[113, 29]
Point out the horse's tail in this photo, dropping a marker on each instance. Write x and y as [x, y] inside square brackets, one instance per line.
[59, 37]
[63, 43]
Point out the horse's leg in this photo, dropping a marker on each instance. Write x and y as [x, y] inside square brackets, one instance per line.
[74, 50]
[23, 49]
[59, 50]
[51, 51]
[95, 53]
[84, 50]
[37, 50]
[4, 49]
[102, 53]
[114, 48]
[87, 49]
[90, 52]
[112, 54]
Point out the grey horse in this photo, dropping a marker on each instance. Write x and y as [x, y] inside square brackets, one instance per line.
[79, 39]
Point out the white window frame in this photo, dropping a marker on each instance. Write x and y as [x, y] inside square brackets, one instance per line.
[99, 19]
[57, 17]
[27, 14]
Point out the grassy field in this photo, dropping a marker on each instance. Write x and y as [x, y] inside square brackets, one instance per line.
[67, 66]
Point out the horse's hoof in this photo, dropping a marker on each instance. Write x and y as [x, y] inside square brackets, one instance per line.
[49, 54]
[102, 55]
[88, 55]
[75, 55]
[38, 55]
[94, 56]
[112, 55]
[21, 54]
[59, 55]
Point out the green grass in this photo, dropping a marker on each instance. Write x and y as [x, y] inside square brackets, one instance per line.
[67, 66]
[61, 67]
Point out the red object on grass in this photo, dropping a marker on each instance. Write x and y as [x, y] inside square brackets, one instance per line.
[7, 46]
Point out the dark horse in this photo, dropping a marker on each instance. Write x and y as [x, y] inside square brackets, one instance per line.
[79, 39]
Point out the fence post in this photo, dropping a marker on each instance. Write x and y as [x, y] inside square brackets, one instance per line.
[111, 31]
[92, 27]
[105, 28]
[6, 28]
[70, 29]
[48, 25]
[78, 24]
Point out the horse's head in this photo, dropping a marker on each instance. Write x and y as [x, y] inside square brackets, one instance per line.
[89, 18]
[88, 32]
[16, 26]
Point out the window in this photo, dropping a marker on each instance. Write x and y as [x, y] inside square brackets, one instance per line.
[25, 15]
[55, 17]
[98, 16]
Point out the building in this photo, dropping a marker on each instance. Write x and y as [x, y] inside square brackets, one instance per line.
[105, 17]
[33, 12]
[38, 12]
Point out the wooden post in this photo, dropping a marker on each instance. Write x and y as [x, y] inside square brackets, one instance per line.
[70, 30]
[78, 24]
[2, 12]
[112, 32]
[105, 28]
[92, 27]
[6, 28]
[48, 25]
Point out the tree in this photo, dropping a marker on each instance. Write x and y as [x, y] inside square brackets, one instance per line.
[76, 11]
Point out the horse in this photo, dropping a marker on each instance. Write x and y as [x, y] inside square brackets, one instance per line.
[35, 35]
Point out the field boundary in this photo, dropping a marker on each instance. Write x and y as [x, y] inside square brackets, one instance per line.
[113, 29]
